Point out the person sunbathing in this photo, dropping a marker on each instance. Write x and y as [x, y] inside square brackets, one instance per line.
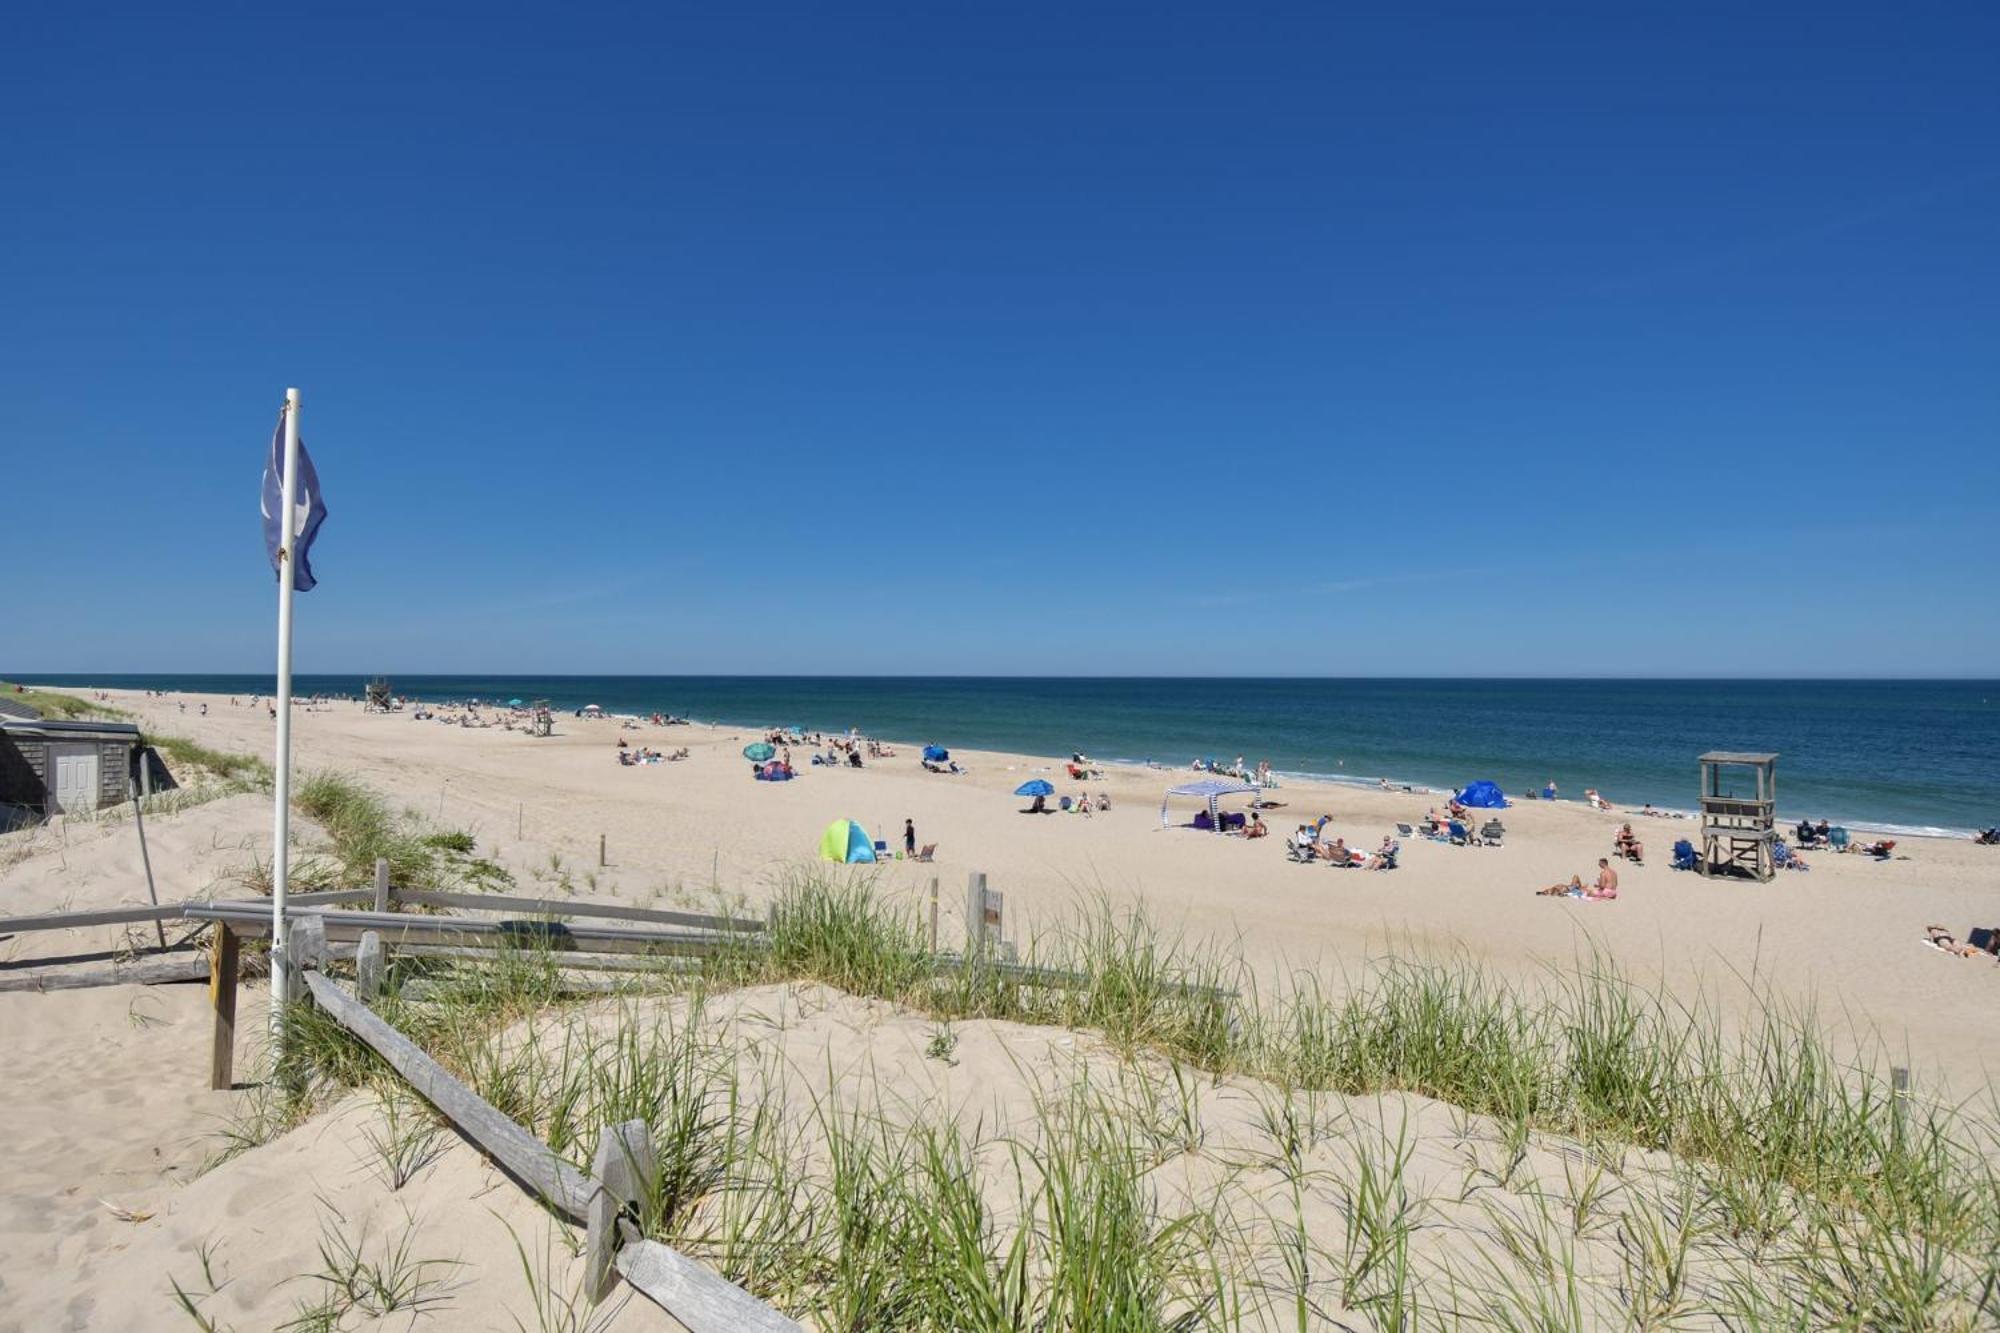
[1385, 856]
[1628, 846]
[1943, 940]
[1336, 852]
[1606, 887]
[1573, 889]
[1987, 837]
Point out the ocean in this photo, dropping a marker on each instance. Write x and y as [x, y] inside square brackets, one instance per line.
[1915, 756]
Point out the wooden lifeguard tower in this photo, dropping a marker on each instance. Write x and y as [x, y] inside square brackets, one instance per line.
[1739, 813]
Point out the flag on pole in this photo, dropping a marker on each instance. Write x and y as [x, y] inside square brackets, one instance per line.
[308, 509]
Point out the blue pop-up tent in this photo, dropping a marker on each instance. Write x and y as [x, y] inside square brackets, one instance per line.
[1483, 796]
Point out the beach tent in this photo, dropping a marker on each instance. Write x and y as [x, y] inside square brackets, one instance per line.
[936, 754]
[1483, 796]
[846, 841]
[1210, 790]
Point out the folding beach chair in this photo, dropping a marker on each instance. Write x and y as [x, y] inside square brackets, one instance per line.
[1838, 837]
[1460, 836]
[1684, 855]
[1492, 832]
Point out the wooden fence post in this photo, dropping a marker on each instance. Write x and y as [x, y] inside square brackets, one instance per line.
[368, 966]
[600, 851]
[222, 964]
[975, 913]
[305, 947]
[625, 1171]
[381, 884]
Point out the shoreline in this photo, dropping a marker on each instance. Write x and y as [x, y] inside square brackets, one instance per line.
[1664, 814]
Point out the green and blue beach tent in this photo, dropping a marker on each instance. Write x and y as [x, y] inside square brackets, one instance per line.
[846, 841]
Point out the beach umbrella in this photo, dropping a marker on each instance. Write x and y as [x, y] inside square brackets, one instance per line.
[513, 703]
[758, 752]
[936, 754]
[1034, 787]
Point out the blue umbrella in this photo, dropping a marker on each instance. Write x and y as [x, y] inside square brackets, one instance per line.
[758, 751]
[937, 754]
[1034, 787]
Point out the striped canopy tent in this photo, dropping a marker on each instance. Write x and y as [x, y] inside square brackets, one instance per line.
[1210, 790]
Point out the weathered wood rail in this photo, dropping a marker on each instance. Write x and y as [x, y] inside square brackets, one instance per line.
[702, 1300]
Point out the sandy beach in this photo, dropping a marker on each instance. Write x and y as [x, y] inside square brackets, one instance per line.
[122, 1067]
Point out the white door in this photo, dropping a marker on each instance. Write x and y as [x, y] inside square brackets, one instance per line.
[75, 784]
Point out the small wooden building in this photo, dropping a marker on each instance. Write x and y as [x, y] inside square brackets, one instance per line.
[1739, 813]
[66, 767]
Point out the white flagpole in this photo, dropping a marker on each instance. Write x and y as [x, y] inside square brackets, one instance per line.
[281, 820]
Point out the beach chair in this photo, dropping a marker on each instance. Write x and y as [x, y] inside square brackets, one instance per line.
[1066, 803]
[1684, 855]
[1460, 836]
[1785, 858]
[1492, 833]
[928, 852]
[1406, 830]
[1297, 854]
[1984, 938]
[1838, 837]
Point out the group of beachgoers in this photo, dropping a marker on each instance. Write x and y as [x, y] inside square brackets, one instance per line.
[1083, 803]
[1603, 890]
[1310, 842]
[1261, 775]
[629, 756]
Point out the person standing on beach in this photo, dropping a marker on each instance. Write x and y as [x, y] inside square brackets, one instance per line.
[909, 837]
[1549, 792]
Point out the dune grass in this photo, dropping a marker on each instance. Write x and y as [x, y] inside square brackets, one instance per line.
[361, 827]
[247, 770]
[1802, 1191]
[57, 706]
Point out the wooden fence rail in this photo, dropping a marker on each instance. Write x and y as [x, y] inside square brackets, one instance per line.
[702, 1300]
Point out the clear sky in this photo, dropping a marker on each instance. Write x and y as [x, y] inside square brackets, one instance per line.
[1056, 339]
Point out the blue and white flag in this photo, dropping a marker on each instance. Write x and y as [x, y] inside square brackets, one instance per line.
[309, 510]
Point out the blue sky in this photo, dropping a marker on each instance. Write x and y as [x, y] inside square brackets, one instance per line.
[1062, 339]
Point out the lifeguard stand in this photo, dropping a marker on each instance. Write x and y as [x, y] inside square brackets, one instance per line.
[378, 699]
[1739, 813]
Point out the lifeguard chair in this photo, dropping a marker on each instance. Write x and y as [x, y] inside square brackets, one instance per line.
[378, 697]
[1739, 813]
